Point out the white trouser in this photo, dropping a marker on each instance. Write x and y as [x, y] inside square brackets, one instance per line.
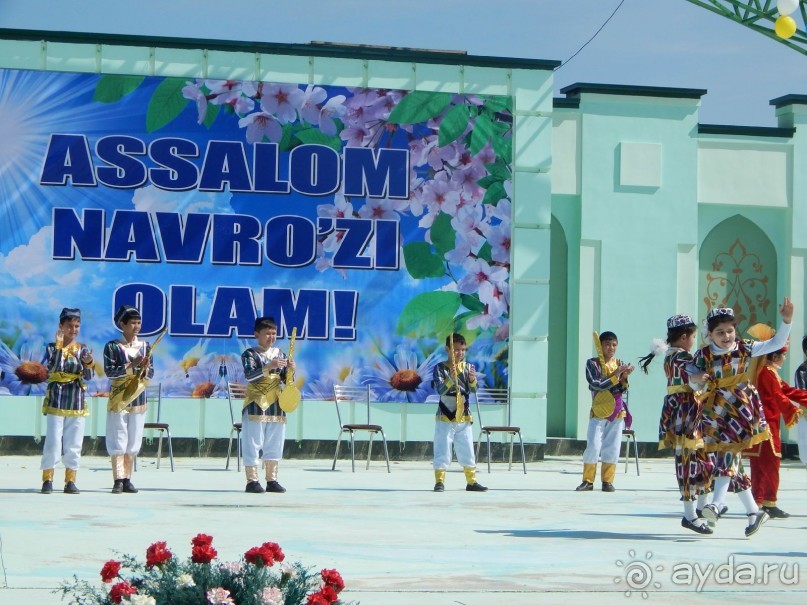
[267, 436]
[603, 441]
[802, 439]
[63, 440]
[124, 433]
[460, 434]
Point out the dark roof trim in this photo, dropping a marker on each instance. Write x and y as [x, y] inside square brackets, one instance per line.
[570, 103]
[575, 90]
[789, 100]
[751, 131]
[316, 49]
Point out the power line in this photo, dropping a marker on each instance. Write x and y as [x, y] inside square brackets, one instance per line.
[594, 36]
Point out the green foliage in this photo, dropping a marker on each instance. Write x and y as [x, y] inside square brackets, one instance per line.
[419, 106]
[453, 124]
[422, 262]
[166, 104]
[112, 88]
[429, 314]
[315, 136]
[443, 235]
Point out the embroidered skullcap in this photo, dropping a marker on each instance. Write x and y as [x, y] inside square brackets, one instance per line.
[69, 314]
[726, 312]
[264, 322]
[125, 313]
[679, 321]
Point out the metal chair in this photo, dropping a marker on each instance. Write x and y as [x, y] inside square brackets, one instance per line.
[497, 397]
[235, 392]
[629, 435]
[154, 397]
[358, 395]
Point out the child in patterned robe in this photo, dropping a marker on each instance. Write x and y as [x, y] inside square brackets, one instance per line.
[680, 423]
[733, 418]
[69, 365]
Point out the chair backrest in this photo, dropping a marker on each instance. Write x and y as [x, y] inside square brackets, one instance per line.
[486, 396]
[236, 391]
[353, 394]
[154, 398]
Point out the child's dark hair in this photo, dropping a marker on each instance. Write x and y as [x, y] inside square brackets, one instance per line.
[457, 339]
[264, 323]
[804, 344]
[608, 336]
[715, 321]
[770, 356]
[673, 334]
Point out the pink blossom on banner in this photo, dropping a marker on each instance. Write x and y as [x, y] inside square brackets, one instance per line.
[309, 105]
[332, 110]
[356, 136]
[282, 101]
[460, 252]
[193, 92]
[467, 223]
[499, 239]
[340, 208]
[486, 155]
[259, 125]
[378, 208]
[502, 210]
[479, 272]
[238, 95]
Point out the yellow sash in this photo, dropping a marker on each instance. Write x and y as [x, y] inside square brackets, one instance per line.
[679, 388]
[123, 391]
[707, 396]
[64, 378]
[263, 392]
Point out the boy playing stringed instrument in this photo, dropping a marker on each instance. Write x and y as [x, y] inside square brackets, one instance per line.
[454, 381]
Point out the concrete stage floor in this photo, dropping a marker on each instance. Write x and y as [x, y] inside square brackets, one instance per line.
[530, 539]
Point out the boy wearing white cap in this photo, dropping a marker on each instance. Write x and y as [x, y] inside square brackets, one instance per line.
[69, 365]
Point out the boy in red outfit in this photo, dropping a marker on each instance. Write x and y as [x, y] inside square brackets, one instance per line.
[777, 397]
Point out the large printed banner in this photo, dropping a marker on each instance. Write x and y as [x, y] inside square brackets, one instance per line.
[373, 221]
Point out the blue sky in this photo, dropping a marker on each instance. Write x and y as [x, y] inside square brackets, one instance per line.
[648, 42]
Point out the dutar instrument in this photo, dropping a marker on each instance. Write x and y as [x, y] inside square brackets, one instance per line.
[455, 375]
[290, 396]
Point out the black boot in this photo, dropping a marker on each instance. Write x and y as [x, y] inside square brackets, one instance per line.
[274, 486]
[254, 487]
[118, 487]
[128, 487]
[47, 487]
[70, 488]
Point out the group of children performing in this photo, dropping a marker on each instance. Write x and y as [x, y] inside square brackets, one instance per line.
[128, 364]
[724, 401]
[720, 403]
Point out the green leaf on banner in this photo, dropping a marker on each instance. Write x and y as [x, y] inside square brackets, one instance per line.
[419, 106]
[453, 125]
[421, 262]
[285, 143]
[429, 314]
[314, 136]
[485, 253]
[494, 193]
[166, 104]
[487, 181]
[210, 116]
[499, 169]
[472, 303]
[503, 146]
[483, 130]
[443, 235]
[111, 88]
[494, 104]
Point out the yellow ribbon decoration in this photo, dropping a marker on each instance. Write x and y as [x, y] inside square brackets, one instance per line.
[264, 391]
[64, 378]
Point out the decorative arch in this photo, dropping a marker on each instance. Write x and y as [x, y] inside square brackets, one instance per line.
[738, 268]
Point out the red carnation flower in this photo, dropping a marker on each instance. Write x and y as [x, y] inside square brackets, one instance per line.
[317, 599]
[277, 552]
[203, 554]
[260, 556]
[329, 593]
[332, 578]
[202, 540]
[157, 554]
[120, 590]
[110, 571]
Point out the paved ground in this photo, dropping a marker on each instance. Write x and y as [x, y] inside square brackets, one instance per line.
[530, 539]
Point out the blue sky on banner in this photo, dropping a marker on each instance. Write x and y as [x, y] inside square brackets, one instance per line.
[373, 221]
[647, 42]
